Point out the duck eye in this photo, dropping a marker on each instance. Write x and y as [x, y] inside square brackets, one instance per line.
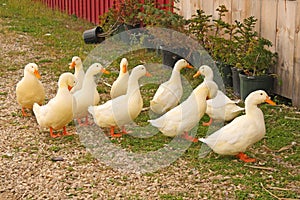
[261, 93]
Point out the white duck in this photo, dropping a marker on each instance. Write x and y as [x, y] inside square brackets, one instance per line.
[243, 131]
[221, 107]
[57, 113]
[119, 86]
[181, 119]
[79, 75]
[170, 92]
[123, 109]
[29, 89]
[84, 97]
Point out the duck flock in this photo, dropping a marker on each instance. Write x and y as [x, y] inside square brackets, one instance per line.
[77, 97]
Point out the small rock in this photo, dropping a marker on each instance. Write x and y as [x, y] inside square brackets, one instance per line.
[57, 159]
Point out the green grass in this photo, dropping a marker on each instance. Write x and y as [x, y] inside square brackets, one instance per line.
[275, 169]
[35, 19]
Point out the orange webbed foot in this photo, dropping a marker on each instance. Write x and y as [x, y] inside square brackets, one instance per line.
[65, 133]
[207, 123]
[124, 131]
[113, 134]
[53, 135]
[80, 123]
[24, 113]
[245, 158]
[189, 138]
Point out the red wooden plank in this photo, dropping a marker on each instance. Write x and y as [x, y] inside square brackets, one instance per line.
[74, 7]
[88, 10]
[101, 7]
[68, 9]
[80, 9]
[97, 13]
[106, 6]
[60, 4]
[63, 5]
[93, 8]
[83, 10]
[56, 4]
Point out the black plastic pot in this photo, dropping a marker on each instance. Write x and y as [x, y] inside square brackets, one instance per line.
[249, 84]
[92, 36]
[170, 57]
[236, 80]
[226, 74]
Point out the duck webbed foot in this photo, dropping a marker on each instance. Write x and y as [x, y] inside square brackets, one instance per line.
[65, 133]
[189, 138]
[207, 123]
[24, 113]
[113, 134]
[52, 134]
[245, 158]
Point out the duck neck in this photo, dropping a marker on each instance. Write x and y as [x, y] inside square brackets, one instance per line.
[133, 85]
[200, 93]
[78, 70]
[209, 77]
[199, 98]
[29, 75]
[63, 88]
[88, 81]
[121, 74]
[175, 76]
[252, 110]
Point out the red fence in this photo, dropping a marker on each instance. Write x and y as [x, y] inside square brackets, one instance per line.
[87, 9]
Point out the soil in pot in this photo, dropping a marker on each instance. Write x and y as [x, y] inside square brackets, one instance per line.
[249, 84]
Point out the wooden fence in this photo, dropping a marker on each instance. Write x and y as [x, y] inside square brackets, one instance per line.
[278, 21]
[87, 9]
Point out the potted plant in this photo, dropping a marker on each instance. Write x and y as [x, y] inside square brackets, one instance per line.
[257, 63]
[122, 18]
[244, 33]
[216, 36]
[158, 20]
[254, 59]
[223, 45]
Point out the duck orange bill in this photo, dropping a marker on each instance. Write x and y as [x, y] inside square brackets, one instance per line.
[269, 101]
[70, 88]
[105, 71]
[124, 68]
[148, 74]
[72, 65]
[198, 73]
[37, 74]
[190, 66]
